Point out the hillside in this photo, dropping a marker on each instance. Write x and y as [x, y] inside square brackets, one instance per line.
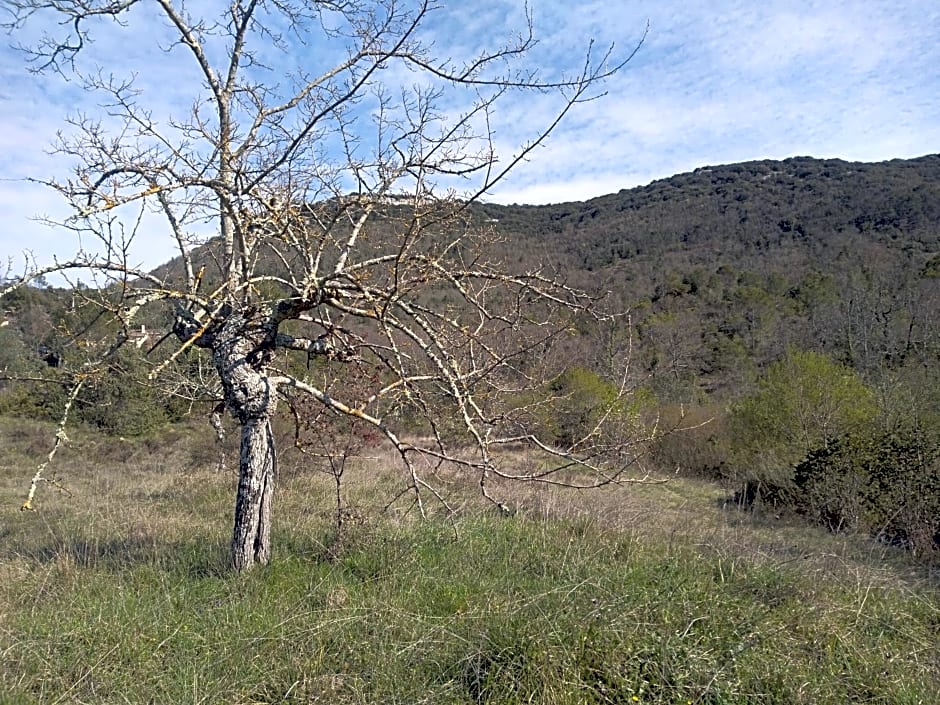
[725, 266]
[742, 260]
[783, 276]
[799, 208]
[825, 254]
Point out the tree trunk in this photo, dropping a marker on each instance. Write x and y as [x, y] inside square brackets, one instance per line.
[257, 468]
[240, 356]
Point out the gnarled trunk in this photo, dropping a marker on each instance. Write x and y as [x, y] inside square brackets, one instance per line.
[240, 356]
[257, 469]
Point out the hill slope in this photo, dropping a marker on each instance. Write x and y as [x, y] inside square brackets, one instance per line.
[800, 206]
[726, 266]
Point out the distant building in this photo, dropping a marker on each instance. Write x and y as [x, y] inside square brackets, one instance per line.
[139, 337]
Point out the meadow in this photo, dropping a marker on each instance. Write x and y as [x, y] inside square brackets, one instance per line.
[120, 592]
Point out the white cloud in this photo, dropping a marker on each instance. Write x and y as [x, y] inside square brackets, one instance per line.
[714, 82]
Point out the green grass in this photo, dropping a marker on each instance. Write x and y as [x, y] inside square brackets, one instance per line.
[121, 594]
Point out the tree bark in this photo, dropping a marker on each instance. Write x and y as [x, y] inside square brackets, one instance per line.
[257, 469]
[240, 356]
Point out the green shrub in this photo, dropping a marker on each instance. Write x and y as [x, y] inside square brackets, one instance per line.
[116, 398]
[570, 409]
[886, 484]
[802, 401]
[119, 400]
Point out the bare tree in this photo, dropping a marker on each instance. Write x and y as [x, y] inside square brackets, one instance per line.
[335, 229]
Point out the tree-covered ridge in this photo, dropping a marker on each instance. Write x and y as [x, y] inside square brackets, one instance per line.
[722, 268]
[725, 266]
[762, 292]
[746, 210]
[797, 242]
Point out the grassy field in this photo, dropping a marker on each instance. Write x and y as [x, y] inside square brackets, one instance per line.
[120, 593]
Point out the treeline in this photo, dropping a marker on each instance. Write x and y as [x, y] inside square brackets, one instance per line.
[53, 339]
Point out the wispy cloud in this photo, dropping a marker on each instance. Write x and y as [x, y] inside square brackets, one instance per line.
[723, 82]
[714, 82]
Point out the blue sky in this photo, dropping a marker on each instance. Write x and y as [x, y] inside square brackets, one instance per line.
[714, 82]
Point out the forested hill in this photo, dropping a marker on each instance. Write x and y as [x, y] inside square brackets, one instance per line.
[796, 208]
[724, 268]
[792, 216]
[728, 266]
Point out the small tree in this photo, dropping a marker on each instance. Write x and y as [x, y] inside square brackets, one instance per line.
[803, 401]
[885, 483]
[314, 212]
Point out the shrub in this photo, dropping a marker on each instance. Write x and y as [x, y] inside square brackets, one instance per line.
[568, 410]
[886, 484]
[802, 401]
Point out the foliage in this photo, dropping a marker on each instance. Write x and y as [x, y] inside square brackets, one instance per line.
[802, 402]
[580, 398]
[700, 448]
[120, 401]
[752, 257]
[802, 210]
[865, 297]
[580, 407]
[885, 484]
[115, 397]
[671, 343]
[722, 268]
[14, 354]
[41, 400]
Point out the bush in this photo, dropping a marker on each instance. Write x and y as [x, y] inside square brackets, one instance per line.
[699, 447]
[802, 401]
[41, 401]
[115, 399]
[886, 484]
[568, 411]
[118, 401]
